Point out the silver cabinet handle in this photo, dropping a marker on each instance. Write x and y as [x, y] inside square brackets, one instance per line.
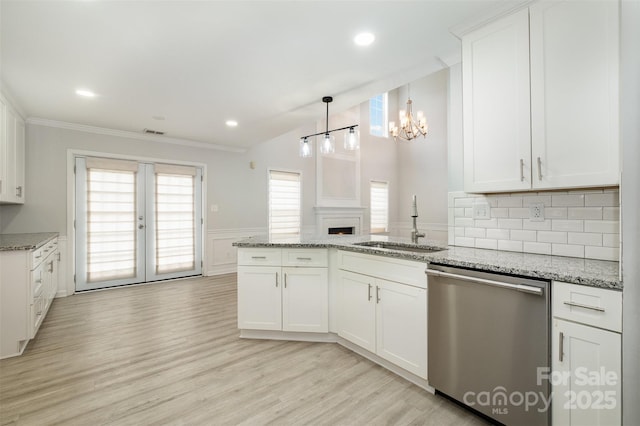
[561, 347]
[285, 280]
[539, 169]
[521, 170]
[303, 258]
[579, 305]
[276, 279]
[377, 294]
[58, 256]
[50, 269]
[520, 287]
[258, 257]
[369, 294]
[38, 257]
[19, 191]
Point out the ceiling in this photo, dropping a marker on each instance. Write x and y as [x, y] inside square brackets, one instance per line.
[195, 64]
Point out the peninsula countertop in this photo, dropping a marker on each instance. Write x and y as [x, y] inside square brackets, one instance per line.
[29, 241]
[589, 272]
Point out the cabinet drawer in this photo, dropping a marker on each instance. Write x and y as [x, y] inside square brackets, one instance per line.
[37, 282]
[37, 256]
[305, 257]
[588, 305]
[389, 268]
[260, 256]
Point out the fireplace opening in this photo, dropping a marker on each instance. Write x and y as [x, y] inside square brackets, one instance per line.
[344, 230]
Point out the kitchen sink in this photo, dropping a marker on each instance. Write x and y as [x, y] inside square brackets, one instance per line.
[399, 246]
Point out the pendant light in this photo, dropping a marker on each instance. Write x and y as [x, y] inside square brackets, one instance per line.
[327, 143]
[409, 128]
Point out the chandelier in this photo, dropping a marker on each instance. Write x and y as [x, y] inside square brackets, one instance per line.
[410, 128]
[327, 143]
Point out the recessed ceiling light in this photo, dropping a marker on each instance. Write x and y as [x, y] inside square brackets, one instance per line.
[231, 123]
[85, 93]
[364, 39]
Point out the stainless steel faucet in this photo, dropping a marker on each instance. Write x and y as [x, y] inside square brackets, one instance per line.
[415, 234]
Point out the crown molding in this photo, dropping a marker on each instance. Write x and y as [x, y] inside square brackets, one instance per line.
[11, 100]
[130, 135]
[488, 16]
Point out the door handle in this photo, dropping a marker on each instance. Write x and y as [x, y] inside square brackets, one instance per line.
[141, 226]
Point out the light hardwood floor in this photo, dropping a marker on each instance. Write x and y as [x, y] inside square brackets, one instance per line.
[169, 353]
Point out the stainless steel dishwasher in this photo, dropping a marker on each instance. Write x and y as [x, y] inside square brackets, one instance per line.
[488, 338]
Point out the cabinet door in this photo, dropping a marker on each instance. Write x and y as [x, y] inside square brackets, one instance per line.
[574, 93]
[586, 379]
[496, 107]
[3, 149]
[401, 325]
[259, 297]
[305, 300]
[9, 183]
[357, 309]
[20, 162]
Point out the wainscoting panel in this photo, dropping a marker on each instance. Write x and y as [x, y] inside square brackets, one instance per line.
[221, 254]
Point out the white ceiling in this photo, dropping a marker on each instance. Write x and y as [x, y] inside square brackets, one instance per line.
[266, 64]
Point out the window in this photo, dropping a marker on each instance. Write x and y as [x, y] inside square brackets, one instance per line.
[284, 202]
[378, 115]
[379, 207]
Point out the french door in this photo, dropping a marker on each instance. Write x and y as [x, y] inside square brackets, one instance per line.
[136, 222]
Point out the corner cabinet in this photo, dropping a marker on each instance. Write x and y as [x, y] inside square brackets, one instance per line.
[381, 315]
[12, 155]
[283, 289]
[28, 285]
[586, 355]
[541, 99]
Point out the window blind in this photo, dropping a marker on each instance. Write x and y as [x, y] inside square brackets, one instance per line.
[379, 207]
[284, 202]
[175, 219]
[111, 221]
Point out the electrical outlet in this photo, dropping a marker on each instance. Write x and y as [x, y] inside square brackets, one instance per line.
[536, 212]
[481, 210]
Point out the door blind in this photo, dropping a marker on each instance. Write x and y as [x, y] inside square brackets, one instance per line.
[379, 206]
[284, 202]
[175, 219]
[111, 224]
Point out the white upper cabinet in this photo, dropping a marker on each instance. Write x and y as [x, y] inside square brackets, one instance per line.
[12, 155]
[495, 78]
[574, 93]
[540, 92]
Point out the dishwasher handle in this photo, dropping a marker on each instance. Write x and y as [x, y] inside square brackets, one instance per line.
[519, 287]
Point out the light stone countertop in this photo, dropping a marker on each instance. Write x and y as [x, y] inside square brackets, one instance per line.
[14, 242]
[589, 272]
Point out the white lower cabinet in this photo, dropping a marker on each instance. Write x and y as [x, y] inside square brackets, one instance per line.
[283, 298]
[384, 317]
[586, 359]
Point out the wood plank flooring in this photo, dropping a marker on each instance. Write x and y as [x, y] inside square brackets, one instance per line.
[169, 353]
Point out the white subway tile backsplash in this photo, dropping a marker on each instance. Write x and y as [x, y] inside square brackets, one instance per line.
[577, 223]
[500, 212]
[539, 248]
[609, 199]
[611, 240]
[509, 245]
[464, 202]
[475, 232]
[451, 235]
[519, 212]
[555, 212]
[568, 200]
[465, 241]
[567, 250]
[604, 226]
[602, 253]
[510, 223]
[486, 243]
[611, 213]
[463, 221]
[510, 202]
[567, 225]
[520, 235]
[594, 213]
[584, 238]
[552, 237]
[537, 226]
[498, 234]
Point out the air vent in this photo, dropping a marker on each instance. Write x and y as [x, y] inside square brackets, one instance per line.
[152, 132]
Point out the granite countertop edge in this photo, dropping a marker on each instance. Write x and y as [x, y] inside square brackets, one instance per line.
[588, 272]
[26, 241]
